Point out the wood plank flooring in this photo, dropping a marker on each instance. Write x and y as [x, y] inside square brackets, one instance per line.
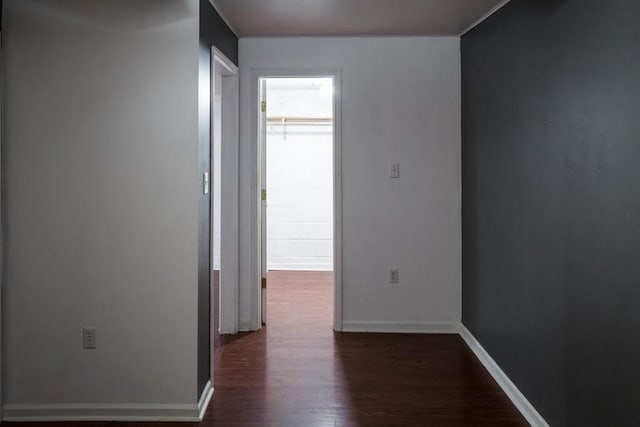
[296, 372]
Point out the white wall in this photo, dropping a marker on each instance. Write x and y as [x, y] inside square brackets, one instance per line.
[101, 190]
[400, 103]
[299, 177]
[216, 172]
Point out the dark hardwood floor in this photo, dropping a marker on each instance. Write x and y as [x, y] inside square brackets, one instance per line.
[297, 372]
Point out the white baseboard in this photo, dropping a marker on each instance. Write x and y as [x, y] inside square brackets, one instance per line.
[244, 326]
[195, 412]
[401, 327]
[110, 412]
[521, 403]
[205, 398]
[300, 267]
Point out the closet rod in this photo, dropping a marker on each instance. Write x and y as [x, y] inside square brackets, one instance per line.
[280, 120]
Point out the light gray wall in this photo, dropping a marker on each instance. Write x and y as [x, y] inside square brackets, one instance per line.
[400, 103]
[101, 187]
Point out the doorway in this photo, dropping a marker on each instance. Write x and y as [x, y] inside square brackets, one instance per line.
[299, 186]
[224, 201]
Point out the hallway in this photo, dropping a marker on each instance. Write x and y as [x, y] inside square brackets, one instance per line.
[297, 372]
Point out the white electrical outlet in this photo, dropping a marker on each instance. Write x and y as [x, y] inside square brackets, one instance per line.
[394, 170]
[394, 276]
[88, 337]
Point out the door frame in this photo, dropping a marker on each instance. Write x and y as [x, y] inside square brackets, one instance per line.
[222, 68]
[2, 224]
[256, 286]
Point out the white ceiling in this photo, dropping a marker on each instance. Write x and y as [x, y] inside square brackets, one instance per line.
[260, 18]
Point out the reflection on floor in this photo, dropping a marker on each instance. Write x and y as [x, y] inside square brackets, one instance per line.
[297, 372]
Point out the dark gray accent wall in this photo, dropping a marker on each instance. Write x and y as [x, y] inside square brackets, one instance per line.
[213, 32]
[551, 203]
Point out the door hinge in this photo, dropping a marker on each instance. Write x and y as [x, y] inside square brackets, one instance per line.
[264, 283]
[263, 194]
[263, 106]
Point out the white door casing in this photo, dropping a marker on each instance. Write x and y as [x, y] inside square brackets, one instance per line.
[262, 154]
[258, 235]
[227, 72]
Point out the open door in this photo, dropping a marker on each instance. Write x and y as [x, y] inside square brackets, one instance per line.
[262, 129]
[258, 270]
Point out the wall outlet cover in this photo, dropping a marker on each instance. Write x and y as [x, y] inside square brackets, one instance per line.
[394, 276]
[88, 337]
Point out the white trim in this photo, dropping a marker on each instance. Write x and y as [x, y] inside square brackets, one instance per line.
[337, 201]
[2, 219]
[229, 256]
[525, 407]
[262, 185]
[244, 326]
[205, 399]
[224, 18]
[293, 266]
[228, 66]
[255, 294]
[484, 17]
[355, 36]
[110, 412]
[521, 403]
[401, 327]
